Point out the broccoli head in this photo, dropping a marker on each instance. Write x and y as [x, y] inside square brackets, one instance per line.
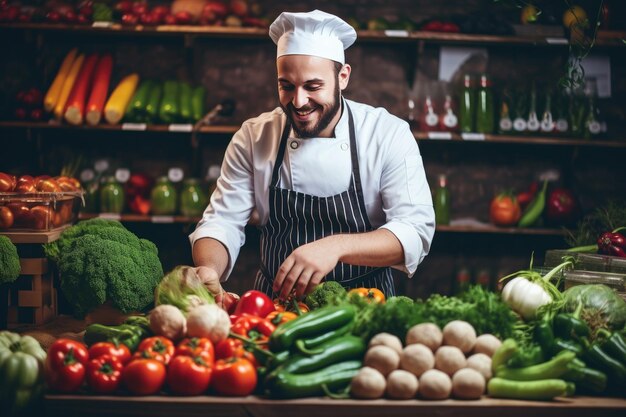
[108, 263]
[328, 292]
[9, 261]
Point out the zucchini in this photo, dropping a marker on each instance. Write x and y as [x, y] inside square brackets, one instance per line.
[198, 108]
[154, 100]
[185, 102]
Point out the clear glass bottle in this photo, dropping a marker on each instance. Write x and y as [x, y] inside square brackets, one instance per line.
[467, 106]
[505, 124]
[547, 120]
[532, 122]
[429, 119]
[484, 106]
[593, 124]
[520, 123]
[561, 126]
[442, 201]
[449, 120]
[193, 199]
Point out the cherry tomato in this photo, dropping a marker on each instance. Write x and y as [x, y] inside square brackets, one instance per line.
[65, 365]
[256, 303]
[41, 217]
[6, 218]
[157, 347]
[196, 346]
[144, 376]
[235, 377]
[47, 185]
[119, 351]
[504, 210]
[21, 214]
[371, 294]
[104, 373]
[25, 184]
[189, 375]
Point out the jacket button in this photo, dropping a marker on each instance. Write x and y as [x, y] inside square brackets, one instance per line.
[294, 144]
[344, 146]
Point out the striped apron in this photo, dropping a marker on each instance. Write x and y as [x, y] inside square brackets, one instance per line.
[296, 219]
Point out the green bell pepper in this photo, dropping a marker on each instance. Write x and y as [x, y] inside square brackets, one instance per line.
[21, 373]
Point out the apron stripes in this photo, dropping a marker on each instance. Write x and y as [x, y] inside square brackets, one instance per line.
[296, 219]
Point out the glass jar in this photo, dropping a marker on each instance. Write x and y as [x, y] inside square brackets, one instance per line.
[193, 198]
[163, 197]
[111, 196]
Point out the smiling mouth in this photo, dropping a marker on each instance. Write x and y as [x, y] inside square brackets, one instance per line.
[303, 115]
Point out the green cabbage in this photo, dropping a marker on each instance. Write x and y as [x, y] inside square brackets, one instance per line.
[602, 306]
[181, 287]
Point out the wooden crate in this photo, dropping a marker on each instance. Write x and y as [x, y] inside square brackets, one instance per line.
[32, 297]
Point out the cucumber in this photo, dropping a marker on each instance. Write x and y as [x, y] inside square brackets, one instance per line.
[169, 107]
[135, 112]
[198, 108]
[185, 102]
[154, 100]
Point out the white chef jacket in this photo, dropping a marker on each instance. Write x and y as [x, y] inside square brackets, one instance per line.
[396, 192]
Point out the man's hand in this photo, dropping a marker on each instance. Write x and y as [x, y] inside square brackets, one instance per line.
[211, 280]
[306, 267]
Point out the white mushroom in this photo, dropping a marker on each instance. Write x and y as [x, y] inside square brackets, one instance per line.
[368, 383]
[387, 339]
[487, 344]
[428, 334]
[382, 358]
[460, 334]
[417, 359]
[468, 384]
[402, 385]
[435, 385]
[481, 363]
[449, 359]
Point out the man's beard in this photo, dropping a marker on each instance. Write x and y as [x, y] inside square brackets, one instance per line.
[323, 122]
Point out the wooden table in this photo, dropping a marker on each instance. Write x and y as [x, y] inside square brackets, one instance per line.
[207, 406]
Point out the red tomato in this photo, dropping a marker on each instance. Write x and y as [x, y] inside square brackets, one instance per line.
[25, 184]
[196, 346]
[65, 365]
[120, 352]
[255, 303]
[234, 348]
[7, 182]
[48, 185]
[156, 347]
[6, 218]
[235, 376]
[41, 217]
[104, 374]
[144, 376]
[504, 210]
[189, 375]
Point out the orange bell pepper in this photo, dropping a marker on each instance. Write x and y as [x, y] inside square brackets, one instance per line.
[371, 294]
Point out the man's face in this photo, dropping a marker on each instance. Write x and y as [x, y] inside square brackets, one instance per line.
[309, 93]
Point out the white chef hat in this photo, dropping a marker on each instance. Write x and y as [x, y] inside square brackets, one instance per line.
[314, 33]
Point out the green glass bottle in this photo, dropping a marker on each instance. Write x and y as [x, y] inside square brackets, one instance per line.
[163, 197]
[111, 196]
[484, 106]
[467, 106]
[442, 202]
[193, 199]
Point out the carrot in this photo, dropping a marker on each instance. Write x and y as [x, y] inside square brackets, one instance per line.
[98, 96]
[59, 107]
[116, 105]
[52, 96]
[75, 106]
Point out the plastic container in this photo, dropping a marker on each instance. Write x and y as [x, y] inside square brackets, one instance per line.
[610, 279]
[587, 261]
[39, 211]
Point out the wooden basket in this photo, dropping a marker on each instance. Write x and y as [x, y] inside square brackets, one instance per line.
[32, 297]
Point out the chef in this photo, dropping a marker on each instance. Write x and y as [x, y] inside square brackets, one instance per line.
[339, 186]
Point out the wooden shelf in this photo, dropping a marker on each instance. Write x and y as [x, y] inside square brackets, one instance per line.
[604, 38]
[527, 140]
[98, 405]
[35, 237]
[231, 129]
[501, 230]
[140, 218]
[126, 127]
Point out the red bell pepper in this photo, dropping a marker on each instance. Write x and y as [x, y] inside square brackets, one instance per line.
[255, 303]
[612, 243]
[561, 206]
[65, 365]
[525, 197]
[254, 328]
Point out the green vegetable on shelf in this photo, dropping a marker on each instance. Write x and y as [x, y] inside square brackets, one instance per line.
[198, 109]
[154, 101]
[185, 102]
[9, 261]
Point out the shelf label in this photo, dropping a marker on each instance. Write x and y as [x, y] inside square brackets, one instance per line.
[473, 136]
[110, 216]
[180, 127]
[557, 41]
[102, 24]
[393, 33]
[162, 219]
[440, 135]
[134, 126]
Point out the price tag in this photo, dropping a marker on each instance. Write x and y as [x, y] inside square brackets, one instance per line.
[162, 219]
[122, 175]
[175, 174]
[102, 24]
[110, 216]
[440, 135]
[134, 126]
[473, 136]
[557, 41]
[87, 175]
[397, 33]
[101, 165]
[180, 128]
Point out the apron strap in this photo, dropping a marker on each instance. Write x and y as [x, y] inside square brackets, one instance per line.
[281, 153]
